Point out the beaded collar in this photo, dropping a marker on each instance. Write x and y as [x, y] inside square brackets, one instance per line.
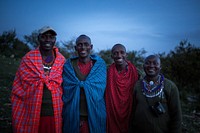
[48, 62]
[153, 89]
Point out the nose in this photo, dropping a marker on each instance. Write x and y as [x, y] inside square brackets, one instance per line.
[49, 38]
[119, 55]
[151, 64]
[83, 45]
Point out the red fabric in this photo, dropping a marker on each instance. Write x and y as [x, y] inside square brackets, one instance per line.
[85, 68]
[47, 124]
[84, 127]
[27, 91]
[119, 98]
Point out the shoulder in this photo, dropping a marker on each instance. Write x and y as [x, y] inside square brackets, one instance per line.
[60, 57]
[97, 59]
[170, 88]
[71, 61]
[111, 65]
[169, 84]
[132, 65]
[31, 54]
[56, 50]
[138, 85]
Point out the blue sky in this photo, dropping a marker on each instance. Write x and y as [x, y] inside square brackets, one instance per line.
[154, 25]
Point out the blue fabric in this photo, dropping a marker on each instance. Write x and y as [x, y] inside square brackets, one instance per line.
[94, 88]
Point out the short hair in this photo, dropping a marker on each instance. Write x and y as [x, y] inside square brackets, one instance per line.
[152, 56]
[118, 44]
[83, 36]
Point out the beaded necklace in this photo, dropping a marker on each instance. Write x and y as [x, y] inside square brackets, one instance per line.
[153, 89]
[48, 62]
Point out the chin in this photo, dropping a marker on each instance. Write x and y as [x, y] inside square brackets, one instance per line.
[119, 63]
[48, 49]
[151, 75]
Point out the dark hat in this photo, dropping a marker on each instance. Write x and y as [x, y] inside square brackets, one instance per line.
[45, 29]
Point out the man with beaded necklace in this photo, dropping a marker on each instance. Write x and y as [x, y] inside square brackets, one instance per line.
[37, 91]
[156, 102]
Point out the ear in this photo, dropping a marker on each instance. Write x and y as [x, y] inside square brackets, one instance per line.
[126, 55]
[38, 37]
[111, 55]
[55, 41]
[91, 46]
[75, 48]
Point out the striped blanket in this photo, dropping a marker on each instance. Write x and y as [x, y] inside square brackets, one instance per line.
[27, 91]
[94, 88]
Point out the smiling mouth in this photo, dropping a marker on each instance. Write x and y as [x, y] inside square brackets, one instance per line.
[83, 52]
[48, 44]
[151, 70]
[119, 60]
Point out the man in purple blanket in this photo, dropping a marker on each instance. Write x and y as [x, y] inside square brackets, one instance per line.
[84, 82]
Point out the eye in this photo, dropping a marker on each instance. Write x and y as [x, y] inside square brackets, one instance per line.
[114, 53]
[45, 37]
[86, 44]
[79, 45]
[82, 44]
[155, 63]
[147, 63]
[122, 52]
[52, 37]
[42, 37]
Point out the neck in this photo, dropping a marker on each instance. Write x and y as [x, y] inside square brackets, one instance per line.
[121, 67]
[46, 53]
[84, 60]
[47, 56]
[154, 79]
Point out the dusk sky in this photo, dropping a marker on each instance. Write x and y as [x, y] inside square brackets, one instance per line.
[154, 25]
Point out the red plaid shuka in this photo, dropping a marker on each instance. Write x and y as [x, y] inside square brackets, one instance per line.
[119, 98]
[27, 91]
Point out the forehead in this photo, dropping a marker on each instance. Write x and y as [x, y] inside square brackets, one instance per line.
[152, 58]
[83, 39]
[49, 33]
[118, 48]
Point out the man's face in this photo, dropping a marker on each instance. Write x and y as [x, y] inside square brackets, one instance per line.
[47, 41]
[152, 66]
[119, 55]
[83, 47]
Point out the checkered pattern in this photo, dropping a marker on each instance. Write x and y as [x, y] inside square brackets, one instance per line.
[27, 92]
[94, 88]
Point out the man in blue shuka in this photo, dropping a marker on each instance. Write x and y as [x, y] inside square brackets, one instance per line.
[84, 83]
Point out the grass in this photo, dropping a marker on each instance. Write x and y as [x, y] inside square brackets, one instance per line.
[191, 123]
[7, 74]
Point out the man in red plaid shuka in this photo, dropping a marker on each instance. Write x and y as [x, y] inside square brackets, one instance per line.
[36, 93]
[122, 76]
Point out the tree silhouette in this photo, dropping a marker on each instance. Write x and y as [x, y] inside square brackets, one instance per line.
[182, 66]
[32, 40]
[11, 46]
